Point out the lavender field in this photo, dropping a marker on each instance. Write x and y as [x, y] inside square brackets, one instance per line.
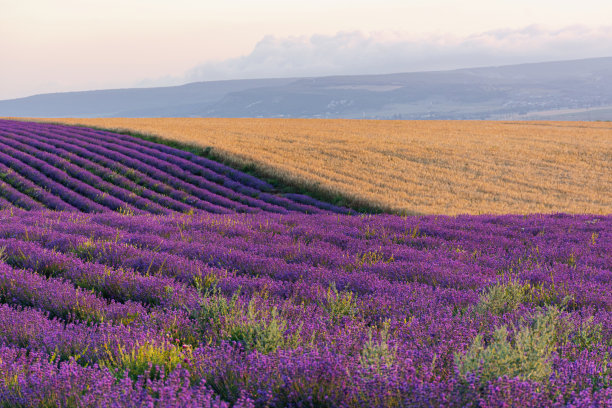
[67, 168]
[134, 274]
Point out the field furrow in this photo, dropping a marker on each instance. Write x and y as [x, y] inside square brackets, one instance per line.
[92, 170]
[392, 297]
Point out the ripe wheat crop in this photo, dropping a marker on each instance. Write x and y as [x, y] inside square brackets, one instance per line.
[416, 167]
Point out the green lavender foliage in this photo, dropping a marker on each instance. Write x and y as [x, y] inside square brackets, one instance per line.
[588, 336]
[262, 330]
[378, 354]
[255, 326]
[145, 359]
[506, 297]
[527, 356]
[503, 298]
[339, 304]
[215, 309]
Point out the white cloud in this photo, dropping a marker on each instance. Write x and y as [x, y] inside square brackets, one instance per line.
[387, 52]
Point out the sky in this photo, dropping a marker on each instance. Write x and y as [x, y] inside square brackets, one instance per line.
[70, 45]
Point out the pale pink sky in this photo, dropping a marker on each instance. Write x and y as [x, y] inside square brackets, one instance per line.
[63, 45]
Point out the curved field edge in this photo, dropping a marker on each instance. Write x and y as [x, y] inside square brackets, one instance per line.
[94, 171]
[283, 182]
[413, 167]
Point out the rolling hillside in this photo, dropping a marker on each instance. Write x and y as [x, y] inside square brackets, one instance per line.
[77, 169]
[414, 167]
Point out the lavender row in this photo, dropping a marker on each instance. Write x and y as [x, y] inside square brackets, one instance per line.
[43, 151]
[52, 172]
[60, 298]
[60, 359]
[118, 284]
[294, 258]
[4, 203]
[300, 238]
[191, 174]
[396, 258]
[151, 177]
[171, 175]
[118, 255]
[29, 194]
[13, 197]
[109, 170]
[586, 284]
[177, 166]
[181, 169]
[68, 384]
[38, 178]
[214, 166]
[36, 331]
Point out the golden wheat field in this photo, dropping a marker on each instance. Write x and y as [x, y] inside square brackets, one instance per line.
[415, 167]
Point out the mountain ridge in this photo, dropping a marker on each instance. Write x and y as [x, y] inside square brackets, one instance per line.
[525, 91]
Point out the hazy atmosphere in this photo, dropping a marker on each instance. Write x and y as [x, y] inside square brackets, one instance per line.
[71, 45]
[292, 204]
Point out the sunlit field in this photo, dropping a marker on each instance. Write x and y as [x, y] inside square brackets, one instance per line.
[415, 167]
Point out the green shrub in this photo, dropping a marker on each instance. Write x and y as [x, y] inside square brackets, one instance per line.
[262, 330]
[503, 298]
[370, 258]
[527, 356]
[205, 283]
[256, 326]
[506, 297]
[378, 354]
[215, 309]
[147, 358]
[588, 335]
[339, 304]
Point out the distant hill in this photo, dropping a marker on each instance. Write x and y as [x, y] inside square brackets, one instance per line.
[577, 90]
